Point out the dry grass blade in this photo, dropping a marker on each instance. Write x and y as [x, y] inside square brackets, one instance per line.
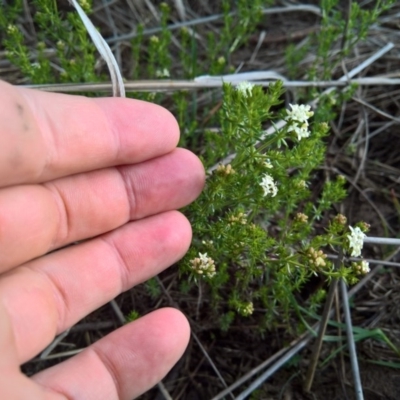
[277, 360]
[321, 332]
[350, 342]
[118, 312]
[382, 241]
[213, 366]
[369, 261]
[273, 10]
[195, 337]
[380, 112]
[104, 50]
[270, 371]
[177, 85]
[45, 353]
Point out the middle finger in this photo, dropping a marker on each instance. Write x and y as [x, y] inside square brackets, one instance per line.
[66, 210]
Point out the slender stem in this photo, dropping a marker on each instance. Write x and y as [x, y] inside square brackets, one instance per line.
[382, 240]
[322, 327]
[321, 333]
[351, 343]
[368, 260]
[104, 49]
[172, 85]
[118, 312]
[271, 370]
[45, 353]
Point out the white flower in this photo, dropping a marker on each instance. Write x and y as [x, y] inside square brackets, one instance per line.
[356, 241]
[269, 186]
[203, 258]
[301, 131]
[11, 29]
[245, 88]
[203, 265]
[162, 73]
[267, 163]
[221, 60]
[365, 267]
[299, 113]
[246, 309]
[361, 267]
[298, 117]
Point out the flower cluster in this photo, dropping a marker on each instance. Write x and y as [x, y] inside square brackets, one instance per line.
[302, 184]
[154, 39]
[340, 219]
[316, 257]
[239, 218]
[356, 241]
[225, 169]
[361, 268]
[203, 265]
[298, 116]
[221, 60]
[85, 4]
[267, 164]
[12, 29]
[269, 186]
[245, 88]
[162, 73]
[300, 217]
[246, 309]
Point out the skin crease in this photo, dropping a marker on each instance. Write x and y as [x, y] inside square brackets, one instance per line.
[105, 172]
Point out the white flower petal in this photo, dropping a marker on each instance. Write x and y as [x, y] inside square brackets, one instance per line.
[269, 186]
[245, 88]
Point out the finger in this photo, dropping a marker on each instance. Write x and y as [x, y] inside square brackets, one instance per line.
[50, 294]
[122, 365]
[13, 384]
[125, 363]
[38, 218]
[44, 136]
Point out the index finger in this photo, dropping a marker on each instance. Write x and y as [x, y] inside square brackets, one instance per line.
[48, 135]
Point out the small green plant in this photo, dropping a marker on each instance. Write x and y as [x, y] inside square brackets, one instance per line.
[75, 52]
[153, 288]
[132, 316]
[339, 30]
[256, 238]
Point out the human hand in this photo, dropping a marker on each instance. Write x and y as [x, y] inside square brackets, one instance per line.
[106, 170]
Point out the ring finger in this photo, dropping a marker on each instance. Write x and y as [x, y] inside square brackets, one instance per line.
[48, 295]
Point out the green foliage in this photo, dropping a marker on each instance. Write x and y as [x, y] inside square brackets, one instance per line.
[342, 28]
[237, 28]
[153, 288]
[255, 248]
[132, 316]
[67, 36]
